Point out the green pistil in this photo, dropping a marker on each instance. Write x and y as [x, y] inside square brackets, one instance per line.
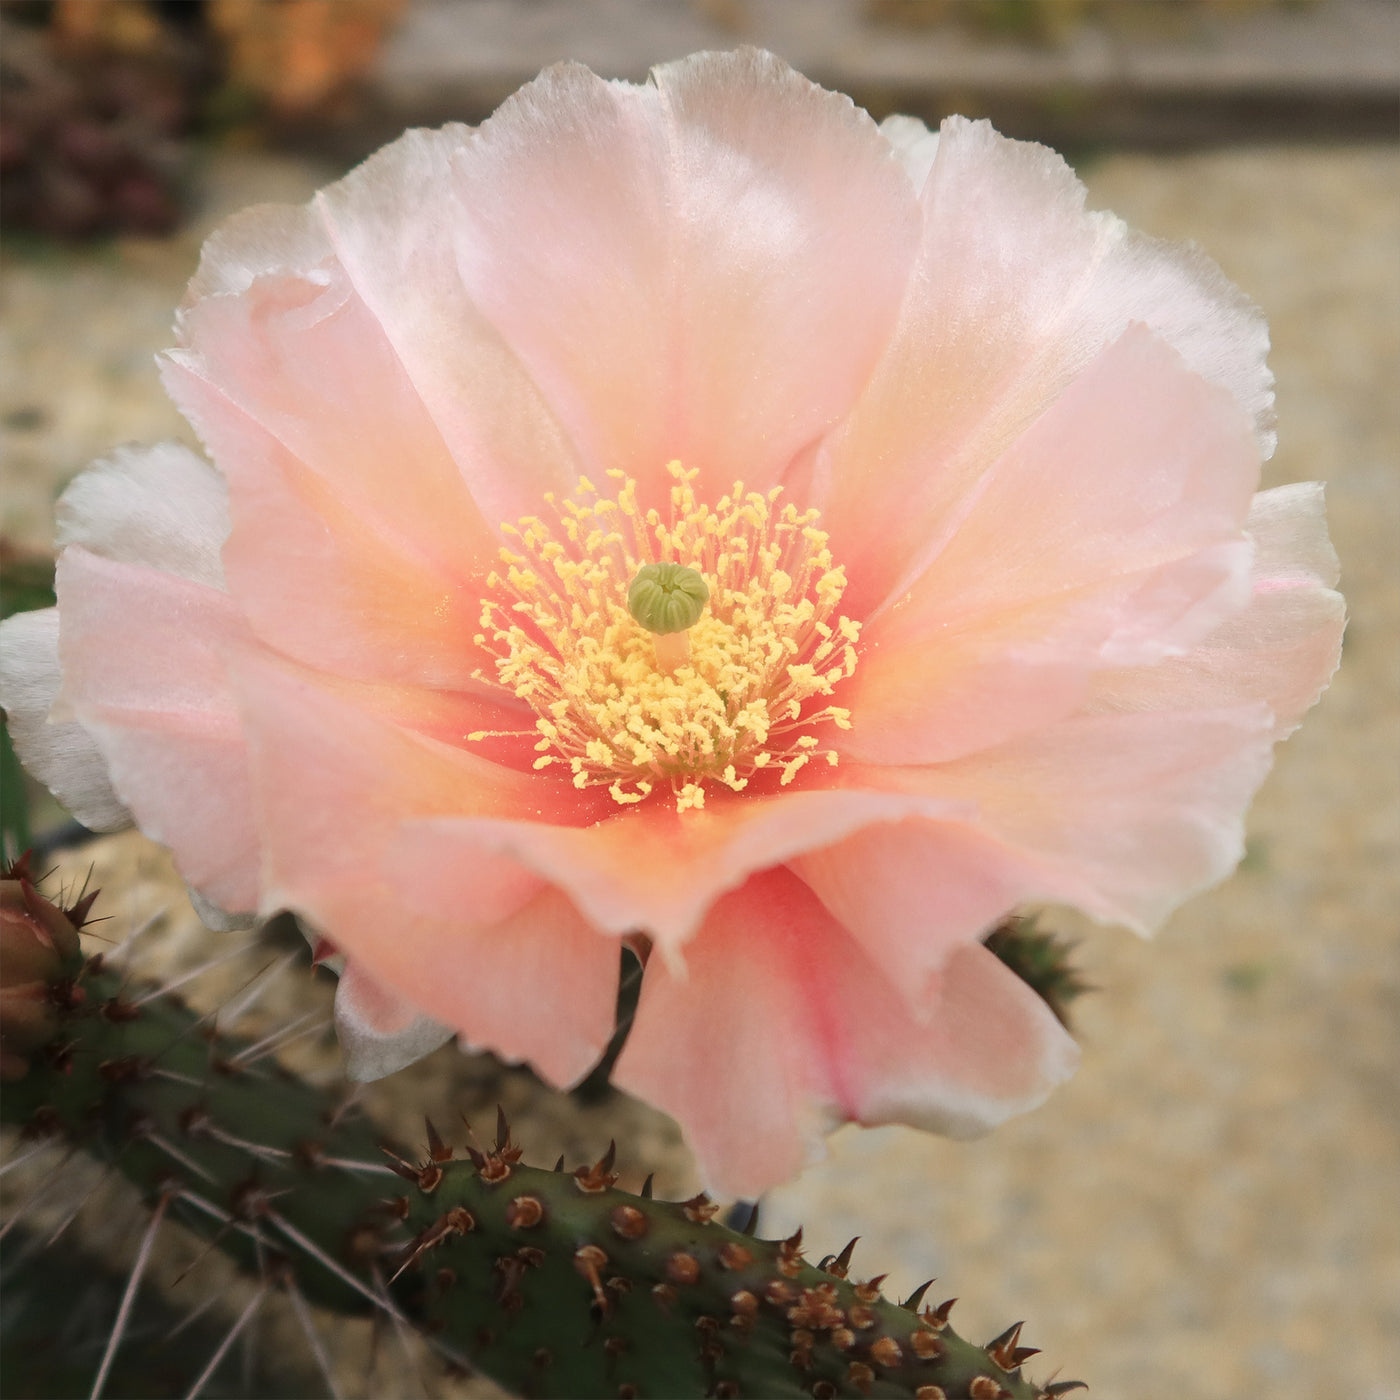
[667, 598]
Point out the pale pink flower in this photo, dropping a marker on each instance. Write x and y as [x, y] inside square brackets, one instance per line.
[1064, 633]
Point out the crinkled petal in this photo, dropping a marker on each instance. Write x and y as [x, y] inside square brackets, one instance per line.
[1281, 650]
[162, 507]
[912, 892]
[1123, 815]
[325, 581]
[61, 754]
[392, 223]
[1015, 290]
[781, 1025]
[380, 1033]
[737, 244]
[474, 940]
[304, 358]
[1111, 530]
[143, 656]
[657, 871]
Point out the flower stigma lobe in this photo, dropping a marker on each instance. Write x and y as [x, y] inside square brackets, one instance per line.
[615, 706]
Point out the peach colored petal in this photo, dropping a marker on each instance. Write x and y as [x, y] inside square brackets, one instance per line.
[1015, 290]
[1281, 650]
[1124, 815]
[738, 241]
[392, 223]
[323, 582]
[467, 936]
[1051, 568]
[303, 357]
[379, 1031]
[912, 892]
[656, 871]
[781, 1025]
[143, 655]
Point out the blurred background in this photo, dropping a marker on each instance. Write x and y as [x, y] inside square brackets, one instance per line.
[1211, 1209]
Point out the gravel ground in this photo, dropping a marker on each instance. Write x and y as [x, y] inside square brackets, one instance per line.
[1210, 1210]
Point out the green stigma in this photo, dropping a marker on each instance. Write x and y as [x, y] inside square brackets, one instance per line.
[666, 598]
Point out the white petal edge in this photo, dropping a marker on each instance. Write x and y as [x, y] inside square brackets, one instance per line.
[162, 506]
[62, 755]
[914, 144]
[380, 1033]
[216, 917]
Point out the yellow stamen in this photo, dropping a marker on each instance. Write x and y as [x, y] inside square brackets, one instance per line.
[736, 693]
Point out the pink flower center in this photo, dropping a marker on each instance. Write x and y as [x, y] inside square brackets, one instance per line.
[615, 704]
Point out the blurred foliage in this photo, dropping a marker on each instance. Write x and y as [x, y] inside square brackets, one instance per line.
[1054, 21]
[98, 97]
[301, 57]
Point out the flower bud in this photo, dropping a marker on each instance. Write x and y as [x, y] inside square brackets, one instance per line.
[39, 946]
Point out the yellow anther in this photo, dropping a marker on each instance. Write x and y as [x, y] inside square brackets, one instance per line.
[720, 691]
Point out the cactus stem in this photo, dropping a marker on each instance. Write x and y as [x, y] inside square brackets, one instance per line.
[143, 1255]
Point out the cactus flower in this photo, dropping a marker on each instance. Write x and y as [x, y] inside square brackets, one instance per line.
[988, 609]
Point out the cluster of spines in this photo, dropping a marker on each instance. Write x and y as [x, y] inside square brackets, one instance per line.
[554, 1283]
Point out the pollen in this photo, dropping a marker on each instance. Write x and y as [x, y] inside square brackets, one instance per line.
[613, 709]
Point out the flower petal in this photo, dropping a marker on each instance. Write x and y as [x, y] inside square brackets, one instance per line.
[380, 1033]
[1281, 650]
[1110, 530]
[143, 656]
[738, 241]
[467, 936]
[392, 223]
[912, 892]
[1123, 815]
[321, 580]
[304, 358]
[781, 1026]
[657, 871]
[1015, 290]
[914, 144]
[61, 754]
[162, 507]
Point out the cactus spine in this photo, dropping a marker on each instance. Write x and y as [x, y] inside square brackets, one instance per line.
[554, 1283]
